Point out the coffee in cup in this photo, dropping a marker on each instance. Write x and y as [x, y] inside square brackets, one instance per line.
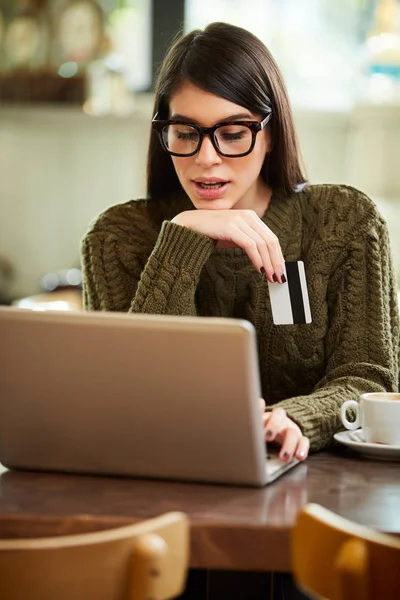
[378, 413]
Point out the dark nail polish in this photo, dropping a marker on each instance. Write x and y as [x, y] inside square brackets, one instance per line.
[286, 455]
[283, 278]
[262, 271]
[274, 277]
[269, 433]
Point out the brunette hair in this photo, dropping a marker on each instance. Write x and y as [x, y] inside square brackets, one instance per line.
[232, 63]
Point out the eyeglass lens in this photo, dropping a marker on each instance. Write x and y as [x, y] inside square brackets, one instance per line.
[230, 139]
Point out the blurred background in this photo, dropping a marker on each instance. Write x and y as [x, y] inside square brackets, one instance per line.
[76, 102]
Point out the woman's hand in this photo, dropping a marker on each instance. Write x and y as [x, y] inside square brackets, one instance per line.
[282, 430]
[245, 229]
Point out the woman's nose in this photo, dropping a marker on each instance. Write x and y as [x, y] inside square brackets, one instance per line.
[207, 154]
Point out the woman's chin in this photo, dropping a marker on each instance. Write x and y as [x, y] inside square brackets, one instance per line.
[217, 204]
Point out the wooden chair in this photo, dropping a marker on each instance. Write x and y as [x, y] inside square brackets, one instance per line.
[336, 559]
[146, 560]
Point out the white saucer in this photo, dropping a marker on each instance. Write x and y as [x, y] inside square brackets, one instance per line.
[355, 440]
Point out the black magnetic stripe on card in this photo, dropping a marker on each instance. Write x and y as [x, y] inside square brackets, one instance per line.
[295, 293]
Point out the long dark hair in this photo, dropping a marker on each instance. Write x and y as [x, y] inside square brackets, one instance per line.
[232, 63]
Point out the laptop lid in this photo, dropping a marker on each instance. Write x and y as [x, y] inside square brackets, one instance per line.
[133, 395]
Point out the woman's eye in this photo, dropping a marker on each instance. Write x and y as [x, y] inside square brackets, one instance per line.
[232, 137]
[233, 134]
[182, 135]
[185, 134]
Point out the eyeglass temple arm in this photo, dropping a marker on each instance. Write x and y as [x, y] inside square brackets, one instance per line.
[265, 121]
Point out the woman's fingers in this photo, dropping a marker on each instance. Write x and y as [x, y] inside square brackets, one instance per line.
[295, 445]
[271, 246]
[247, 239]
[274, 423]
[260, 243]
[303, 448]
[259, 246]
[279, 428]
[289, 445]
[269, 249]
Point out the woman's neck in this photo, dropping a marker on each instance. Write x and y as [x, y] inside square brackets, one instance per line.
[258, 201]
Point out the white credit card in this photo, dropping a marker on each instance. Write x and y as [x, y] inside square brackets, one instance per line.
[289, 301]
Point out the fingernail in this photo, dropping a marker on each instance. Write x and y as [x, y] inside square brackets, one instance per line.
[301, 454]
[274, 277]
[286, 455]
[283, 278]
[262, 271]
[269, 433]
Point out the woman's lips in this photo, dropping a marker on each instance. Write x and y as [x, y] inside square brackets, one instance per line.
[212, 193]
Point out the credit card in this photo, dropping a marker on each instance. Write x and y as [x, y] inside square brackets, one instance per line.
[289, 301]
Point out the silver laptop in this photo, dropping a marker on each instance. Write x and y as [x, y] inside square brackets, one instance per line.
[132, 395]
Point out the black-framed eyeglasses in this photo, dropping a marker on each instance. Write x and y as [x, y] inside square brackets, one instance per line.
[232, 139]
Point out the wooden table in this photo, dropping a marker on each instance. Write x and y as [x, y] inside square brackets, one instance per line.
[232, 527]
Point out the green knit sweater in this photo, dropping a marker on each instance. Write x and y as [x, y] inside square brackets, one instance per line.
[136, 260]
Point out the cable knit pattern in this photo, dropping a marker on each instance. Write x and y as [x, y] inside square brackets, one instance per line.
[136, 260]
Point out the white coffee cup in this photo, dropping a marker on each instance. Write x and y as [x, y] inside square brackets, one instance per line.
[378, 413]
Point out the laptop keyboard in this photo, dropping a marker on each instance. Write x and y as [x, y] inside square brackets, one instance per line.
[274, 465]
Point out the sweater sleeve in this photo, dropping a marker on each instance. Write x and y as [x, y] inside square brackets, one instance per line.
[362, 343]
[132, 267]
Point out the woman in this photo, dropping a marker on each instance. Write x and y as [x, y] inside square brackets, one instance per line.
[227, 204]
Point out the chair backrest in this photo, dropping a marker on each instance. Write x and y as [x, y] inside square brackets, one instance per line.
[146, 560]
[336, 559]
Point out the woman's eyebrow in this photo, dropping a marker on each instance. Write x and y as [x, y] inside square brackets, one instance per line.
[178, 117]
